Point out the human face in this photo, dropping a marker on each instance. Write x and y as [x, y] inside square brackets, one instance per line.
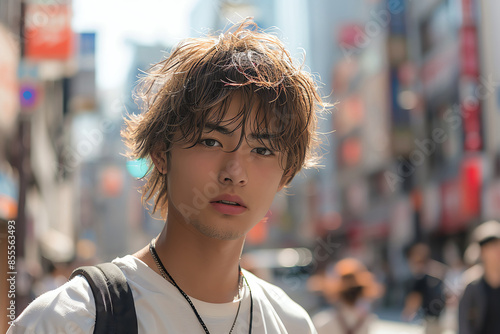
[490, 253]
[203, 178]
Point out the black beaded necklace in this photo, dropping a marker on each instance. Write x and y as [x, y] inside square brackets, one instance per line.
[165, 274]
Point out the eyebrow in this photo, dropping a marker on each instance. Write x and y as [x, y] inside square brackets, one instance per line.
[225, 131]
[209, 127]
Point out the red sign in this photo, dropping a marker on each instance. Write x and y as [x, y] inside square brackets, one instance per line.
[461, 198]
[471, 111]
[48, 33]
[468, 48]
[469, 72]
[471, 182]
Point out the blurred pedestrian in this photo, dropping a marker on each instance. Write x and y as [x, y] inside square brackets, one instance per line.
[427, 291]
[350, 288]
[479, 308]
[54, 278]
[228, 121]
[453, 281]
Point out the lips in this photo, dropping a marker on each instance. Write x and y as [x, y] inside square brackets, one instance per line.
[228, 204]
[229, 200]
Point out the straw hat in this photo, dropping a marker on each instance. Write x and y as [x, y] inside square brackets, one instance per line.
[486, 232]
[348, 276]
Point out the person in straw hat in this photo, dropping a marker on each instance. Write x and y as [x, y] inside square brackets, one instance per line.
[350, 287]
[479, 305]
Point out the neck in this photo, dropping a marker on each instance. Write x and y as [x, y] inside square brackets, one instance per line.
[204, 268]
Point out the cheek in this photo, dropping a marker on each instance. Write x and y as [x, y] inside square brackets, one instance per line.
[489, 255]
[192, 165]
[193, 180]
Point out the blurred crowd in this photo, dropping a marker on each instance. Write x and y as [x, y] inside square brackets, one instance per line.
[445, 298]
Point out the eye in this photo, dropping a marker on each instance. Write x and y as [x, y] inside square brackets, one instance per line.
[210, 143]
[263, 151]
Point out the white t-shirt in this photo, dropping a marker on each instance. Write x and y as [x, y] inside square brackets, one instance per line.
[161, 308]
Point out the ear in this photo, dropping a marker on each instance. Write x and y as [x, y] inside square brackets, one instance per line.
[159, 158]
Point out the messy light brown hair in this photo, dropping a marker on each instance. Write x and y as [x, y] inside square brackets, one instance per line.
[195, 84]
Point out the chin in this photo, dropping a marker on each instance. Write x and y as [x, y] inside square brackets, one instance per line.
[219, 233]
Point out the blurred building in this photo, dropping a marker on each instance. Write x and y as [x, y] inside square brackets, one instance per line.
[49, 77]
[10, 14]
[489, 94]
[135, 226]
[449, 151]
[410, 128]
[423, 167]
[370, 213]
[47, 63]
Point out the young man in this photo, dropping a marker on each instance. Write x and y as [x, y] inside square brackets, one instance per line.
[227, 123]
[479, 306]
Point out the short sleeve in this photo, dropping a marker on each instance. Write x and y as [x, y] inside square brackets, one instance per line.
[274, 301]
[67, 309]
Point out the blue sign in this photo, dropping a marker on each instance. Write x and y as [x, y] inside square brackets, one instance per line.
[28, 94]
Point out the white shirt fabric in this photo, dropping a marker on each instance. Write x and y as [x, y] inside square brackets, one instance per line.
[327, 322]
[161, 308]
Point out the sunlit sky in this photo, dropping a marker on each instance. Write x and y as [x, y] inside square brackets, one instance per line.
[119, 21]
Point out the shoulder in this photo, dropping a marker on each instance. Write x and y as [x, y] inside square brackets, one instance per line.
[273, 299]
[71, 307]
[67, 309]
[427, 282]
[474, 294]
[475, 287]
[275, 296]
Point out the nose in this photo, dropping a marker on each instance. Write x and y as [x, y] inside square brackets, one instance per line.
[233, 171]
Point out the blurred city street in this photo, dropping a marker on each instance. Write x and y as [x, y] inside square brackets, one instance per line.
[410, 153]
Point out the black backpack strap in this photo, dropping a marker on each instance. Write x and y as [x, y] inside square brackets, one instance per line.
[115, 308]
